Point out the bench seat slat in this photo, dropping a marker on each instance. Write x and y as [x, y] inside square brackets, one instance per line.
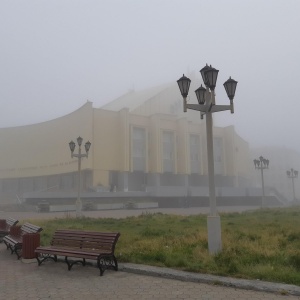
[72, 252]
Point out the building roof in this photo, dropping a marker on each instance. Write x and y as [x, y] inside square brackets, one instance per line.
[133, 99]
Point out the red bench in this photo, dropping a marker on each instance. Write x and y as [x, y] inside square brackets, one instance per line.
[91, 245]
[14, 240]
[5, 225]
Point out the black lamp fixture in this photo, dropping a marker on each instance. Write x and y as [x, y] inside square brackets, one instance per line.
[211, 76]
[200, 93]
[230, 87]
[261, 163]
[292, 173]
[184, 85]
[87, 146]
[79, 140]
[203, 74]
[72, 145]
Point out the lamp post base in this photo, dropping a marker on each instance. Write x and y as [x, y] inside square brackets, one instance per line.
[214, 234]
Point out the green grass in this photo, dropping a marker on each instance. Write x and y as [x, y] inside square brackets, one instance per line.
[262, 245]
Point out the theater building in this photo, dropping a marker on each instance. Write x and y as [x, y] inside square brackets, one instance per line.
[142, 141]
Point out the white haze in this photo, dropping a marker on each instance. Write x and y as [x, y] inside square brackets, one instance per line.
[57, 54]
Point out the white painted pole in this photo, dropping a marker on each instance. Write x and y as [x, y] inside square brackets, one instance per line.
[78, 202]
[294, 195]
[213, 220]
[263, 187]
[210, 161]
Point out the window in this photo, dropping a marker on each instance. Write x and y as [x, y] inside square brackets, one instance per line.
[218, 155]
[138, 149]
[168, 151]
[195, 165]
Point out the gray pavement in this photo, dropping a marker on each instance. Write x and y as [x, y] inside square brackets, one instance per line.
[121, 213]
[24, 279]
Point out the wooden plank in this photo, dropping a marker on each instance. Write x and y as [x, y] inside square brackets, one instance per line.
[30, 228]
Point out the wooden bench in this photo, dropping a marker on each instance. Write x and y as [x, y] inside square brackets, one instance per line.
[5, 225]
[14, 240]
[91, 245]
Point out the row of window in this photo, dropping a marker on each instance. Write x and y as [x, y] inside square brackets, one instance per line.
[139, 152]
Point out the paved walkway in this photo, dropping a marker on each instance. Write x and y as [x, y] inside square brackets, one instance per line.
[25, 280]
[122, 213]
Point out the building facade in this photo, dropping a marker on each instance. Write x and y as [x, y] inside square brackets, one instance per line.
[140, 142]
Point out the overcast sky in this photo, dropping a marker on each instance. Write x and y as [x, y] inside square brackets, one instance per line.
[55, 55]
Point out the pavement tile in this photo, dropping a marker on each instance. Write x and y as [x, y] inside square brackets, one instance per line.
[53, 281]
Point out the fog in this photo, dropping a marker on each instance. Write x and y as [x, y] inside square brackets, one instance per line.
[55, 55]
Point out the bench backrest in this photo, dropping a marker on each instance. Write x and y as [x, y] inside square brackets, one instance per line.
[11, 222]
[86, 239]
[30, 228]
[5, 224]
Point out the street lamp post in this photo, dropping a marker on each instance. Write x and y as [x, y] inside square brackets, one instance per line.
[79, 156]
[206, 99]
[261, 164]
[292, 174]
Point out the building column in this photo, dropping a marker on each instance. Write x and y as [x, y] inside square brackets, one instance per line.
[153, 179]
[123, 181]
[186, 184]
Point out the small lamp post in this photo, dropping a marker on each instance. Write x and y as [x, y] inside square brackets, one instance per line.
[261, 164]
[292, 174]
[80, 155]
[206, 99]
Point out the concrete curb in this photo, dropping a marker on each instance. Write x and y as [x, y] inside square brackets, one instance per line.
[256, 285]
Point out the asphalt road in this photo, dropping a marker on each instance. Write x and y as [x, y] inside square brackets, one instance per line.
[123, 213]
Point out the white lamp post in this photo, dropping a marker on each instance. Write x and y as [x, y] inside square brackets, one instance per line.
[207, 106]
[262, 164]
[292, 174]
[79, 156]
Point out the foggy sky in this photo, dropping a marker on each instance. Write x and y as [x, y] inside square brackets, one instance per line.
[55, 55]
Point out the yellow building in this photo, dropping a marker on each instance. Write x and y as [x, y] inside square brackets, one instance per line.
[142, 141]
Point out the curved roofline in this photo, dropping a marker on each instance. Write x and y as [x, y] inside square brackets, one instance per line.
[51, 120]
